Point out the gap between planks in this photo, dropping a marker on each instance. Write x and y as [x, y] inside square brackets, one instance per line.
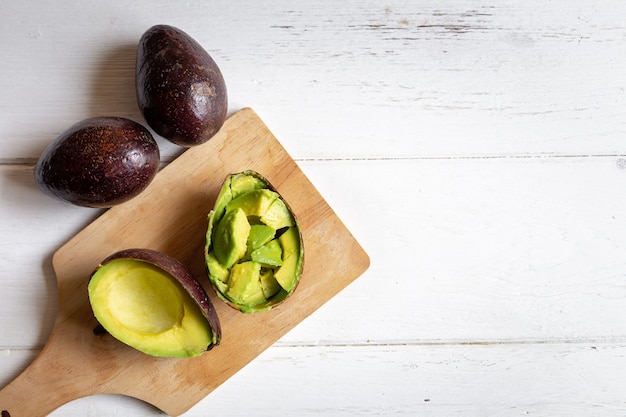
[426, 343]
[29, 163]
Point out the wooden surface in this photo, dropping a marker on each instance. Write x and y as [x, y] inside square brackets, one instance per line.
[170, 216]
[475, 150]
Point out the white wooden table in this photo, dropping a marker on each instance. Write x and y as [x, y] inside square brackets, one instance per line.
[476, 151]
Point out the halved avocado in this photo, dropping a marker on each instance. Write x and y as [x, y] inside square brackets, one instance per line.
[265, 264]
[151, 302]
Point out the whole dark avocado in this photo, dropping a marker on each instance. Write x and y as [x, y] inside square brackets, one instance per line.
[180, 89]
[99, 162]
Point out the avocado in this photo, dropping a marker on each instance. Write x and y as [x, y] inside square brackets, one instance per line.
[217, 271]
[231, 235]
[269, 285]
[268, 255]
[234, 187]
[151, 302]
[179, 87]
[256, 274]
[99, 162]
[277, 215]
[225, 196]
[253, 203]
[243, 183]
[287, 275]
[260, 234]
[245, 283]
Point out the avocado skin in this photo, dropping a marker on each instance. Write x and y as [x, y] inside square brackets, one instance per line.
[180, 89]
[99, 162]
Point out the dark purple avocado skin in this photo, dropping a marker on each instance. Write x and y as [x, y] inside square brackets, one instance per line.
[99, 162]
[180, 89]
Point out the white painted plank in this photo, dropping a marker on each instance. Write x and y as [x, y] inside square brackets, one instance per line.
[32, 227]
[479, 249]
[444, 380]
[432, 380]
[461, 250]
[340, 80]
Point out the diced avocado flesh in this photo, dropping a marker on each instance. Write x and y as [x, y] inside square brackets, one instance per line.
[216, 269]
[253, 203]
[245, 283]
[287, 274]
[225, 196]
[230, 237]
[259, 235]
[233, 188]
[277, 215]
[240, 184]
[268, 255]
[268, 283]
[259, 272]
[146, 308]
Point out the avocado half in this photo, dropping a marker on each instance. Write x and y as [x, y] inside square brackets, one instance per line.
[254, 251]
[151, 302]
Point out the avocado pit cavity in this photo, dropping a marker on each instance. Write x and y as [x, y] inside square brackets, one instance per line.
[143, 298]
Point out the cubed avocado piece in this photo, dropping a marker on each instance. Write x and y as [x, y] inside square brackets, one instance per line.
[233, 187]
[268, 255]
[224, 197]
[287, 275]
[216, 270]
[222, 287]
[269, 285]
[277, 215]
[240, 184]
[253, 203]
[244, 284]
[259, 235]
[230, 237]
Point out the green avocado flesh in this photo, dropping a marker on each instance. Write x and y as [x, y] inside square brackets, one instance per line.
[230, 237]
[254, 252]
[148, 309]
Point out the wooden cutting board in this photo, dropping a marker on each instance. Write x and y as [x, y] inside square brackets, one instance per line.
[170, 216]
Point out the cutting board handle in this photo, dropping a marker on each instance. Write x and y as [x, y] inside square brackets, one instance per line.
[38, 390]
